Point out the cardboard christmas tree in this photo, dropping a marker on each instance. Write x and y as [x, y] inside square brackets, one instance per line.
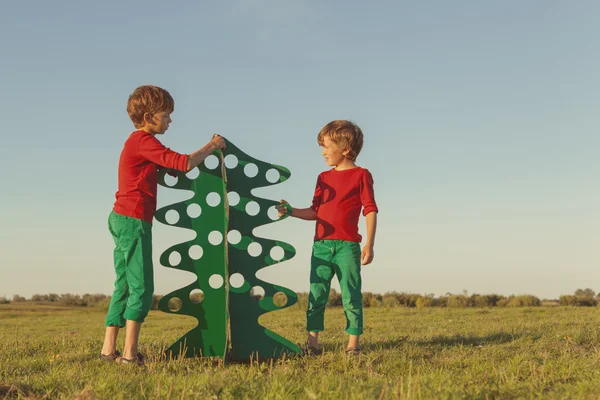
[226, 298]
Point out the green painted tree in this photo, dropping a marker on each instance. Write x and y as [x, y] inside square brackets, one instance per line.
[225, 257]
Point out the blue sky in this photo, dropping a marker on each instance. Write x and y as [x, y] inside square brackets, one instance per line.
[480, 122]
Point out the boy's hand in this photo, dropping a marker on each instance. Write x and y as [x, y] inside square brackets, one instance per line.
[217, 141]
[367, 255]
[281, 209]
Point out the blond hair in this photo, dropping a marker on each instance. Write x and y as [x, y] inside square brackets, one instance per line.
[345, 134]
[148, 99]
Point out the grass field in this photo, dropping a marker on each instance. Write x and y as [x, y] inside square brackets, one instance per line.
[542, 352]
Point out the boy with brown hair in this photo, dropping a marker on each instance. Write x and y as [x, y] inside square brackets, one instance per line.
[130, 222]
[339, 196]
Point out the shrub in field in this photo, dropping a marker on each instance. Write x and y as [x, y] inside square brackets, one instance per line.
[302, 302]
[4, 300]
[93, 299]
[405, 299]
[458, 300]
[103, 304]
[335, 298]
[376, 301]
[155, 299]
[586, 302]
[390, 300]
[581, 301]
[69, 299]
[524, 301]
[441, 301]
[480, 300]
[495, 298]
[422, 302]
[39, 298]
[585, 292]
[486, 300]
[566, 300]
[504, 301]
[371, 300]
[196, 297]
[53, 298]
[18, 299]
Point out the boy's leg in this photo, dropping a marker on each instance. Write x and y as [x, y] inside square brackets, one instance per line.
[321, 273]
[348, 268]
[313, 339]
[353, 342]
[110, 340]
[132, 335]
[117, 226]
[140, 279]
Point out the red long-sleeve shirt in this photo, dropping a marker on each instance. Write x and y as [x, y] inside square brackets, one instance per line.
[138, 166]
[338, 199]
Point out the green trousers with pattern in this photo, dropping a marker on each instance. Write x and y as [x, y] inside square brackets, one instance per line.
[134, 285]
[342, 259]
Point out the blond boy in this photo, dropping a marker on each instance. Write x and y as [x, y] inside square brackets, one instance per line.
[130, 222]
[340, 195]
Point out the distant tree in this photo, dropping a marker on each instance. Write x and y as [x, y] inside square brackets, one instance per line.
[484, 300]
[53, 297]
[524, 301]
[503, 302]
[581, 301]
[584, 292]
[335, 298]
[69, 299]
[94, 299]
[156, 298]
[390, 300]
[458, 300]
[369, 299]
[424, 302]
[302, 300]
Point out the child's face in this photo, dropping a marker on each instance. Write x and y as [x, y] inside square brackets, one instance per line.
[332, 152]
[161, 121]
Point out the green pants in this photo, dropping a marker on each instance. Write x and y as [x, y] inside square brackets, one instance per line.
[341, 258]
[134, 286]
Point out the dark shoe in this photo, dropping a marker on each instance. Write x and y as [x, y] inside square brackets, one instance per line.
[353, 351]
[310, 351]
[109, 357]
[137, 360]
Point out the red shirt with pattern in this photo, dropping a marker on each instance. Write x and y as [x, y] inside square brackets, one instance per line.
[338, 200]
[138, 174]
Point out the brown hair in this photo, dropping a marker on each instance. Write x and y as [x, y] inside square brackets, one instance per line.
[148, 99]
[347, 135]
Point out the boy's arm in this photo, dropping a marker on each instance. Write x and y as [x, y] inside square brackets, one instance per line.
[307, 214]
[367, 198]
[194, 159]
[152, 149]
[368, 253]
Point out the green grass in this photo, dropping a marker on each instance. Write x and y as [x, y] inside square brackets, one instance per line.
[543, 352]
